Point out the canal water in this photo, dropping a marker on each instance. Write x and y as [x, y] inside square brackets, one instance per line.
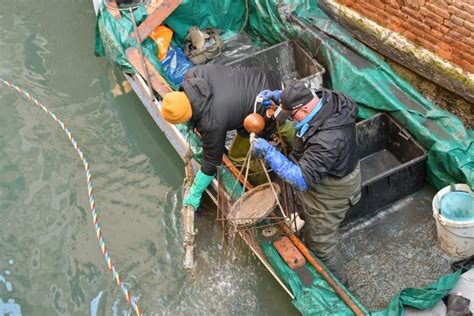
[50, 260]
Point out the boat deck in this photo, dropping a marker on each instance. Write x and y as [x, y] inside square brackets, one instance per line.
[391, 251]
[395, 249]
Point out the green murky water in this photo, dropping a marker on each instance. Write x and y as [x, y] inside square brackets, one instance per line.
[50, 261]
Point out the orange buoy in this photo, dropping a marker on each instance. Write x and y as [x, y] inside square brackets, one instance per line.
[254, 123]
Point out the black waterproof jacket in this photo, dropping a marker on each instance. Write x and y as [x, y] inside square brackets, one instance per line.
[329, 147]
[221, 97]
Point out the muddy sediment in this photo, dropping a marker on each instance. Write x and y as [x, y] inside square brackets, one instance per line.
[396, 249]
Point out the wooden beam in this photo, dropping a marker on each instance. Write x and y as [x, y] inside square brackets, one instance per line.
[162, 10]
[152, 6]
[157, 81]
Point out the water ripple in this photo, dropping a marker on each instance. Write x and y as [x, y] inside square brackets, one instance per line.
[47, 239]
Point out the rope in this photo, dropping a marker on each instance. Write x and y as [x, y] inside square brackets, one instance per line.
[95, 218]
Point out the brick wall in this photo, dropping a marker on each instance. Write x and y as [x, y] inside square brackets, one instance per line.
[445, 27]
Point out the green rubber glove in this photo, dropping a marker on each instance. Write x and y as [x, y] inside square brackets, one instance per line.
[200, 183]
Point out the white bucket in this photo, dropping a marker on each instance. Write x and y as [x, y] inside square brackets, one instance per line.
[456, 238]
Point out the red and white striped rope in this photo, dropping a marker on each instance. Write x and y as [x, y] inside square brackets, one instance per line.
[95, 218]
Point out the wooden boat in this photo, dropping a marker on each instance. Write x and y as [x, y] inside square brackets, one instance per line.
[372, 251]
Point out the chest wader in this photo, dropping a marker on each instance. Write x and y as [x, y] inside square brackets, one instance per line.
[240, 146]
[325, 207]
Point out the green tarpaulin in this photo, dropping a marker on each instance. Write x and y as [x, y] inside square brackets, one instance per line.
[354, 69]
[351, 68]
[421, 298]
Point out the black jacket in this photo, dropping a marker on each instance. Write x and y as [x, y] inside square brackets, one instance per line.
[329, 147]
[221, 97]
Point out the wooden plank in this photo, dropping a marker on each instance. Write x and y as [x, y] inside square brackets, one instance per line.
[152, 6]
[157, 82]
[162, 11]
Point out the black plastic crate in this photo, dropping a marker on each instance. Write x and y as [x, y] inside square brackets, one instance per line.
[289, 60]
[392, 164]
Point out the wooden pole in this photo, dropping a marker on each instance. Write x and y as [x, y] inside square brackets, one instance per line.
[329, 279]
[188, 217]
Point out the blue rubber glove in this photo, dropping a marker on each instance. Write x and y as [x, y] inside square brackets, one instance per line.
[267, 96]
[276, 96]
[200, 183]
[282, 166]
[260, 147]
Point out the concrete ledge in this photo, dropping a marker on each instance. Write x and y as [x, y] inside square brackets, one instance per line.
[401, 50]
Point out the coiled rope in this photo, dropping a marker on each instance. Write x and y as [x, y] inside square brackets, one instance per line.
[95, 218]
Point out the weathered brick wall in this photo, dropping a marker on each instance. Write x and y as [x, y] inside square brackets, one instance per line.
[445, 27]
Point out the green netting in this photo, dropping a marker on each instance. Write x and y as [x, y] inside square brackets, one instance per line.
[317, 299]
[353, 69]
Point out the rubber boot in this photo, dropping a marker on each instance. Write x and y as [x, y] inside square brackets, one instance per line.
[335, 263]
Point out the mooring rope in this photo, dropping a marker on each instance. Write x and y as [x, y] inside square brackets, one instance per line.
[95, 218]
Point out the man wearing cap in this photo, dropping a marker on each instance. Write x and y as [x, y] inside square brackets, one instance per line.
[323, 166]
[216, 99]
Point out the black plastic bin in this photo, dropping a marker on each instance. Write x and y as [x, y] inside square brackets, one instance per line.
[289, 60]
[392, 164]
